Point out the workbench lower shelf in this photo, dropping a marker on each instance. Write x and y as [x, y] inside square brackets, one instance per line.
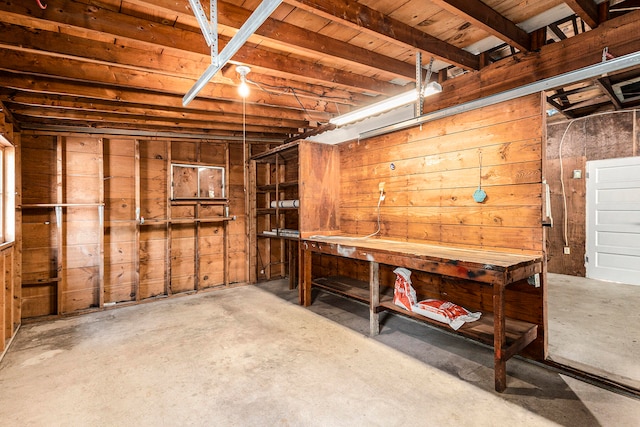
[518, 333]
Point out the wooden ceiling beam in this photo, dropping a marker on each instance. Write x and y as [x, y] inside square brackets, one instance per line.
[479, 14]
[122, 77]
[114, 107]
[301, 39]
[33, 124]
[188, 65]
[605, 85]
[90, 91]
[88, 21]
[580, 51]
[587, 10]
[361, 17]
[146, 120]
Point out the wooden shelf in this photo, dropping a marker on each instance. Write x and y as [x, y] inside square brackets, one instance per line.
[41, 282]
[186, 220]
[286, 152]
[273, 211]
[481, 330]
[195, 200]
[518, 333]
[55, 205]
[271, 236]
[272, 187]
[344, 286]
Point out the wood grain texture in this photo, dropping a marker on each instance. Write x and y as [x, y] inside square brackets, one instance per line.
[431, 172]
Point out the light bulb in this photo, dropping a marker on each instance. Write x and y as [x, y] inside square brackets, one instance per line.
[243, 89]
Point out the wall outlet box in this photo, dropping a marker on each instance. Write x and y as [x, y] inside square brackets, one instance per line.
[567, 250]
[577, 174]
[381, 187]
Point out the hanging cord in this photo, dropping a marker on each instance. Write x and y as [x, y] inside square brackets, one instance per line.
[245, 183]
[480, 168]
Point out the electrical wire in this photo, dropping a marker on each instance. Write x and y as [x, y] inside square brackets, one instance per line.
[380, 199]
[565, 222]
[283, 90]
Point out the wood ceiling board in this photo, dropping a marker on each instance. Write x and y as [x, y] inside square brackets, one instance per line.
[373, 22]
[385, 6]
[518, 11]
[481, 16]
[308, 21]
[440, 23]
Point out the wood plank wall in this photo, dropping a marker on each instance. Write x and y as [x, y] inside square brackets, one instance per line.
[10, 259]
[430, 175]
[593, 138]
[106, 255]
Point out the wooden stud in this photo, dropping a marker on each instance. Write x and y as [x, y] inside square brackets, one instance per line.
[101, 201]
[61, 282]
[196, 248]
[225, 213]
[168, 229]
[305, 290]
[138, 207]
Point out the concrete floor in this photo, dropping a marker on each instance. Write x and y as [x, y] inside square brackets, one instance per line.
[595, 326]
[250, 356]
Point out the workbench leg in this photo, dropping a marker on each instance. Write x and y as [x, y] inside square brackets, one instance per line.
[292, 255]
[499, 338]
[374, 298]
[305, 288]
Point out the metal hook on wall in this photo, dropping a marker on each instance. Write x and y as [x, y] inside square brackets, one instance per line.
[42, 5]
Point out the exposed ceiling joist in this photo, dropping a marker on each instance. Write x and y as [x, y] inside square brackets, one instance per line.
[478, 13]
[362, 17]
[587, 10]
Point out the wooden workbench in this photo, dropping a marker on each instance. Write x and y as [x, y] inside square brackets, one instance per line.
[496, 269]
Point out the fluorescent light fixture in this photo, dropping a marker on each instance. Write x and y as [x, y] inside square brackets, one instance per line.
[386, 105]
[431, 89]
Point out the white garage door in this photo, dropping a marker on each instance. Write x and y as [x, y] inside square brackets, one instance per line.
[613, 220]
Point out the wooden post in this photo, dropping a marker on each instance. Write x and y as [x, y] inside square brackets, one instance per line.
[138, 207]
[196, 248]
[101, 224]
[374, 298]
[60, 282]
[168, 227]
[251, 240]
[305, 290]
[225, 213]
